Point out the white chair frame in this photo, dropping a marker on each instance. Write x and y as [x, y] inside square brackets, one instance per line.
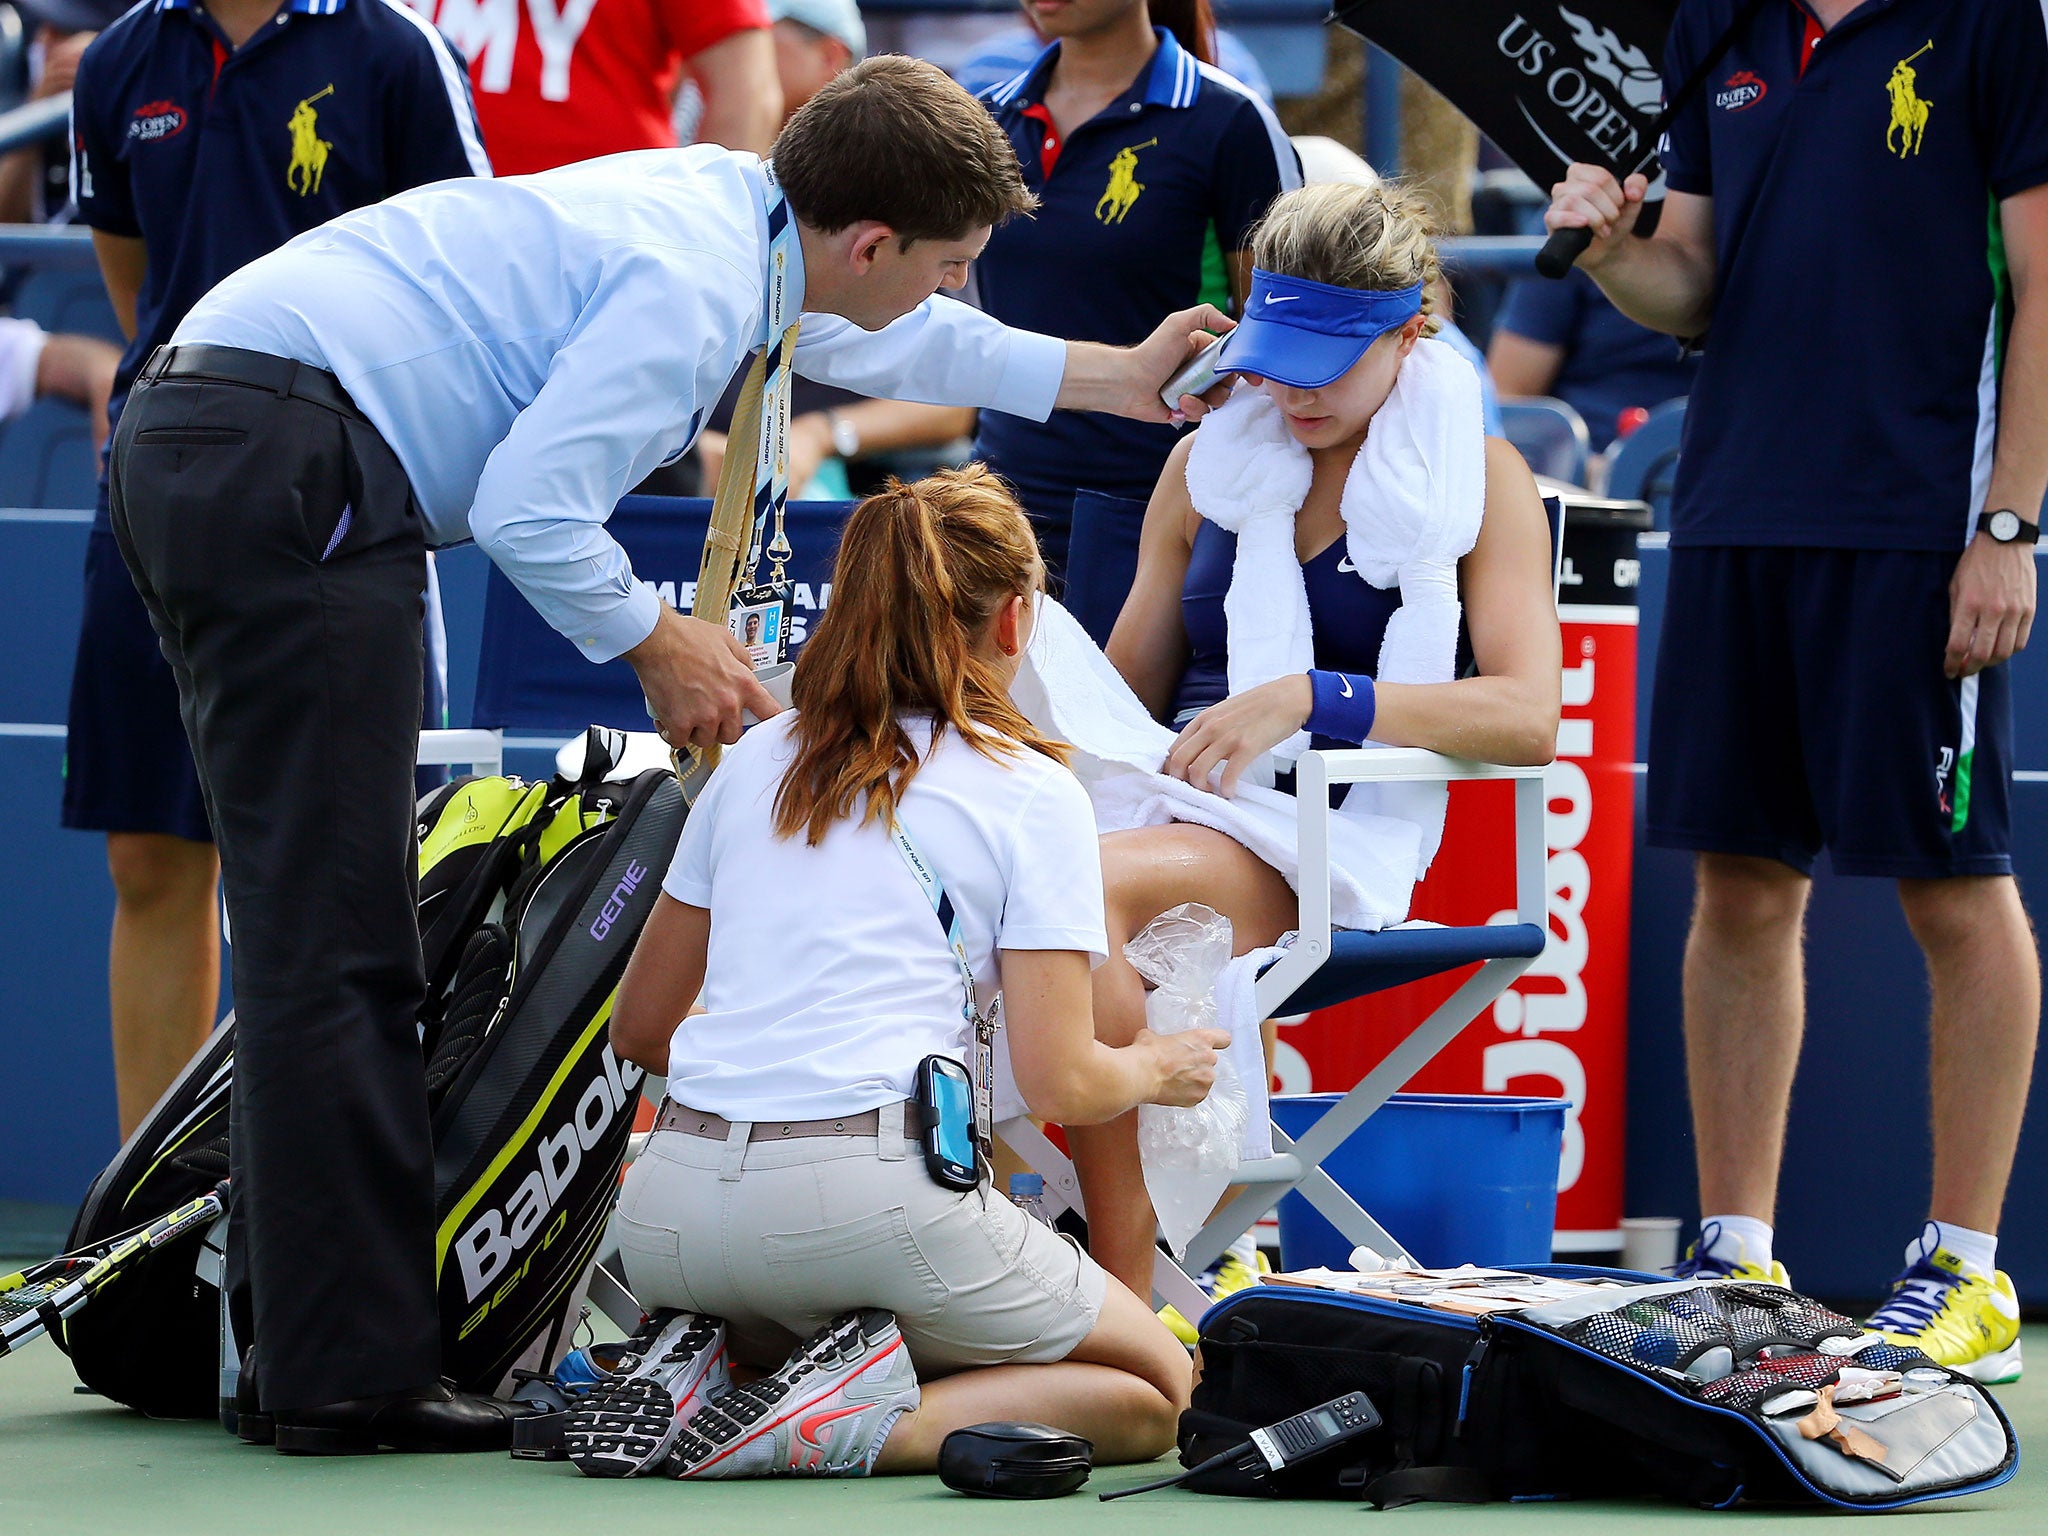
[1297, 1165]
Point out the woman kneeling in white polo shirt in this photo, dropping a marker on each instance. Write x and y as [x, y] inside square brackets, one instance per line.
[785, 1193]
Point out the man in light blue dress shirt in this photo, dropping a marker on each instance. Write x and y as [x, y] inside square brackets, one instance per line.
[498, 361]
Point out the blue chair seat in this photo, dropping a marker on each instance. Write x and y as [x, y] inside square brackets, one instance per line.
[1363, 963]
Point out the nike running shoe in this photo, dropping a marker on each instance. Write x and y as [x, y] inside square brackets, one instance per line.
[1226, 1277]
[824, 1413]
[631, 1418]
[1705, 1261]
[1954, 1314]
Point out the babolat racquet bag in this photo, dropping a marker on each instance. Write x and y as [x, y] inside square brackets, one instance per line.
[1715, 1393]
[530, 899]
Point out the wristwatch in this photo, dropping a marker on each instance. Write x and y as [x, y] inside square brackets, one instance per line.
[2008, 527]
[845, 436]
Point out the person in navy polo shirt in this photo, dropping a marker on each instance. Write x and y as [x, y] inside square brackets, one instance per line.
[202, 138]
[1858, 227]
[1151, 166]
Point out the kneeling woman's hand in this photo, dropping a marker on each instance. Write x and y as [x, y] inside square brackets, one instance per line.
[1186, 1063]
[1235, 733]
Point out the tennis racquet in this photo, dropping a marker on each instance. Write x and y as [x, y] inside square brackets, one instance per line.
[36, 1299]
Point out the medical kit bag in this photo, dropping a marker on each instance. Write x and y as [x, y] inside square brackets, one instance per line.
[1710, 1392]
[1014, 1461]
[530, 899]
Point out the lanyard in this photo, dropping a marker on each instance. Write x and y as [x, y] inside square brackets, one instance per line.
[771, 463]
[984, 1025]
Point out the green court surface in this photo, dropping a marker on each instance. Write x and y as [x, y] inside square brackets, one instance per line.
[76, 1465]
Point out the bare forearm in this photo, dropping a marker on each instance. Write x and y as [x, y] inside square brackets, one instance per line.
[742, 91]
[17, 185]
[1106, 1082]
[77, 368]
[2019, 468]
[887, 425]
[1486, 719]
[737, 123]
[1661, 284]
[123, 264]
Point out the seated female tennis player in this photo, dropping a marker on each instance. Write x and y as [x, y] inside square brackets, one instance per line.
[784, 1200]
[1335, 368]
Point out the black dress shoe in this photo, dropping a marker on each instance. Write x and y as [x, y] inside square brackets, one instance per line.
[252, 1425]
[432, 1418]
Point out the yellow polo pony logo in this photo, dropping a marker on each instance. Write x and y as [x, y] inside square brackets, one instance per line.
[1909, 112]
[309, 150]
[1124, 188]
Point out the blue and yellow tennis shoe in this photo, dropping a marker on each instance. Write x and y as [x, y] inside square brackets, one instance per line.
[1953, 1313]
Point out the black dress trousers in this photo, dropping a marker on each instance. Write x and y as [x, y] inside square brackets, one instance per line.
[281, 553]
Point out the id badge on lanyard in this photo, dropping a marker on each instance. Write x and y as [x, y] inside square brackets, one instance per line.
[760, 613]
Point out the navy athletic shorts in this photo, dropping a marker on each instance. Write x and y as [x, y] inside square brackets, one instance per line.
[127, 764]
[1800, 704]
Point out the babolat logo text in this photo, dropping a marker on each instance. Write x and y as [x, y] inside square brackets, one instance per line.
[155, 120]
[615, 904]
[485, 1248]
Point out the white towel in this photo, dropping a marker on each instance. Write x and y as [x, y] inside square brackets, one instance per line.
[1247, 1045]
[1412, 505]
[1069, 690]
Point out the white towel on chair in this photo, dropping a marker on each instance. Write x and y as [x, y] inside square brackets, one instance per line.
[1412, 505]
[1238, 1012]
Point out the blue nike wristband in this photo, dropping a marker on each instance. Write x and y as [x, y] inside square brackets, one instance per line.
[1343, 707]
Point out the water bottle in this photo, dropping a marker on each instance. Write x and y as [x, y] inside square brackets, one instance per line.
[1027, 1193]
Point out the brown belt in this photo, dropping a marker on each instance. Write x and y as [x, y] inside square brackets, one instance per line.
[695, 1122]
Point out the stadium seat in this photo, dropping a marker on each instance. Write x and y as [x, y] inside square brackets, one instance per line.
[1643, 465]
[46, 457]
[59, 296]
[1551, 436]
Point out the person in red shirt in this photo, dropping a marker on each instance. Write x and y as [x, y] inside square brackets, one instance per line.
[559, 82]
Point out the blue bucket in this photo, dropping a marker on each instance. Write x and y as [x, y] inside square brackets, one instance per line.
[1456, 1178]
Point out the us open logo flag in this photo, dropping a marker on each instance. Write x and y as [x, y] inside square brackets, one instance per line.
[1549, 81]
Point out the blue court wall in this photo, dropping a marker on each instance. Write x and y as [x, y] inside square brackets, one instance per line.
[1856, 1167]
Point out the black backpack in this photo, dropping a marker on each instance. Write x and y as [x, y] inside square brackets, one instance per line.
[1541, 1404]
[531, 897]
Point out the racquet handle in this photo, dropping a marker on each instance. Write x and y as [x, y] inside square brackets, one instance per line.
[1564, 247]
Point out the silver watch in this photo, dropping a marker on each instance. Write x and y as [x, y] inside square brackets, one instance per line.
[845, 436]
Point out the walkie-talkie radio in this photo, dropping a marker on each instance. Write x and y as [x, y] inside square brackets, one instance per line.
[1318, 1430]
[1291, 1441]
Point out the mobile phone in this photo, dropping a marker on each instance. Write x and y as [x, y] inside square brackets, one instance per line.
[945, 1100]
[1197, 377]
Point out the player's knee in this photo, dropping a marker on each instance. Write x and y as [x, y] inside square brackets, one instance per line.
[150, 869]
[1944, 913]
[1738, 895]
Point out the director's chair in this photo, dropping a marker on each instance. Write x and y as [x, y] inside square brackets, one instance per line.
[1328, 965]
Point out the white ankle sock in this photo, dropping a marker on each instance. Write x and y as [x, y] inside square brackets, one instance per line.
[1977, 1250]
[1740, 1238]
[1246, 1248]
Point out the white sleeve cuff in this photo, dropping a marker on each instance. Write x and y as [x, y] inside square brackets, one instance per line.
[611, 635]
[1031, 376]
[21, 354]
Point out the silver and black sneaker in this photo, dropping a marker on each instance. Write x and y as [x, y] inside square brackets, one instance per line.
[630, 1419]
[824, 1413]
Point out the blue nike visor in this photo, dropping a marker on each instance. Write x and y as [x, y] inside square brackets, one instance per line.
[1309, 334]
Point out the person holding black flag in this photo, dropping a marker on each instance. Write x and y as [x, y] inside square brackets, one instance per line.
[1852, 532]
